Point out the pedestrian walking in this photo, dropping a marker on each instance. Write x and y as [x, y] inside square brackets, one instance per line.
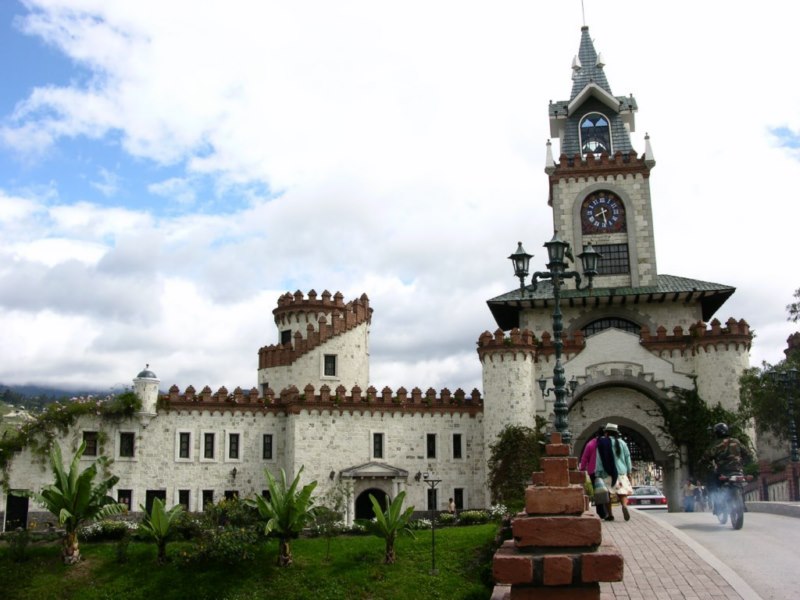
[589, 464]
[614, 459]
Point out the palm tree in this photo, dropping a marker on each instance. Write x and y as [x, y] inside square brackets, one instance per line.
[74, 499]
[158, 525]
[286, 511]
[391, 523]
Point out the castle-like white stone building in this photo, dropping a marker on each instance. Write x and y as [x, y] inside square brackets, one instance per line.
[629, 343]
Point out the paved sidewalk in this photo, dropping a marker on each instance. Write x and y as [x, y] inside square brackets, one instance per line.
[662, 563]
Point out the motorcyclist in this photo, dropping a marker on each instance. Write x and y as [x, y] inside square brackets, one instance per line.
[728, 457]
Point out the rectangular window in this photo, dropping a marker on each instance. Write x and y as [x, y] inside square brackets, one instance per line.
[377, 445]
[90, 439]
[457, 452]
[430, 445]
[432, 499]
[231, 494]
[126, 444]
[615, 260]
[458, 498]
[184, 439]
[266, 446]
[125, 497]
[183, 499]
[330, 365]
[233, 446]
[151, 495]
[286, 337]
[208, 446]
[208, 498]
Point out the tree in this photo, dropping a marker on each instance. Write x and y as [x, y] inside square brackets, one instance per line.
[391, 523]
[286, 511]
[158, 525]
[74, 499]
[689, 422]
[794, 308]
[766, 402]
[515, 456]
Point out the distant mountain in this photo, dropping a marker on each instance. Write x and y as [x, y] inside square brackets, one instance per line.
[35, 397]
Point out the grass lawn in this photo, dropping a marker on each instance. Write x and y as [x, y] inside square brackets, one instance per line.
[355, 571]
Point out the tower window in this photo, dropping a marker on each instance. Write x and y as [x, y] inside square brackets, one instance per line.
[286, 337]
[615, 259]
[595, 134]
[430, 445]
[377, 445]
[457, 450]
[266, 446]
[603, 324]
[329, 366]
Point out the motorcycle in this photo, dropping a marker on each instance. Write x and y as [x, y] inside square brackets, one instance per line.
[729, 500]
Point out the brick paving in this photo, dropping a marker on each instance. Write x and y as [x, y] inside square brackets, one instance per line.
[659, 565]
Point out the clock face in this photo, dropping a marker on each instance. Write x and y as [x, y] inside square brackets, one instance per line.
[602, 212]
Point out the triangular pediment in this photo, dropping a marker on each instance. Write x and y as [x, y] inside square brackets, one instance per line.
[593, 90]
[374, 470]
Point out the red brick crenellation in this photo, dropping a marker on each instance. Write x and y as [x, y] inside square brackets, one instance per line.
[592, 166]
[735, 333]
[293, 401]
[524, 340]
[343, 317]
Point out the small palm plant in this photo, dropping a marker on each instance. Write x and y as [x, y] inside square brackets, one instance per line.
[74, 498]
[287, 510]
[392, 523]
[158, 525]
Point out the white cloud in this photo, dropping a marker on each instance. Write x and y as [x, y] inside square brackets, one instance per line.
[403, 150]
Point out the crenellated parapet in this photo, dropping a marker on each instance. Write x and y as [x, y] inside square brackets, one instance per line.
[326, 316]
[735, 334]
[524, 340]
[292, 400]
[518, 341]
[592, 166]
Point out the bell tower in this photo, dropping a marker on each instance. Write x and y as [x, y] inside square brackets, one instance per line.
[599, 189]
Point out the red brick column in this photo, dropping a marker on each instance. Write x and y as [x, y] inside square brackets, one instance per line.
[557, 551]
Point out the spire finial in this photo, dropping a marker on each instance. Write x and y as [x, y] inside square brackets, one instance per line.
[583, 14]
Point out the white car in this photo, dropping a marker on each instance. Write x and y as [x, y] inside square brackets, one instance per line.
[647, 497]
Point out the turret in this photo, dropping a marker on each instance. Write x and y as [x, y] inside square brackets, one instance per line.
[145, 385]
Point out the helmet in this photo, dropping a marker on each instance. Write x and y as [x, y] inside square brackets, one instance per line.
[721, 430]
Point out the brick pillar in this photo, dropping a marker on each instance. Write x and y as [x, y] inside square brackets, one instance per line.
[557, 552]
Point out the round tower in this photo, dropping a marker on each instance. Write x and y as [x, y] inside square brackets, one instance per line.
[145, 385]
[321, 341]
[509, 381]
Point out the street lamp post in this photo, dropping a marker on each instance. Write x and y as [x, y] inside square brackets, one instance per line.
[787, 381]
[432, 483]
[558, 251]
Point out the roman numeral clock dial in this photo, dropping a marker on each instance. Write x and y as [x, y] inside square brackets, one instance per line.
[602, 212]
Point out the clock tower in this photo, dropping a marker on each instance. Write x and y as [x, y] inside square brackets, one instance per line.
[599, 190]
[639, 340]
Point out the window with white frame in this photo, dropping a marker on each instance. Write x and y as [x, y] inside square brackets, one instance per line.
[183, 445]
[126, 445]
[90, 439]
[209, 448]
[458, 451]
[329, 365]
[433, 502]
[233, 446]
[377, 444]
[266, 447]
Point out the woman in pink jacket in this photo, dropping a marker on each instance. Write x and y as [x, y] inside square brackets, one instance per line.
[589, 464]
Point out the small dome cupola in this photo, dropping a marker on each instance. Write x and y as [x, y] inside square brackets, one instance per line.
[146, 373]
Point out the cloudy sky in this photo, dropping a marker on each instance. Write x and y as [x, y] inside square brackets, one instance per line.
[168, 169]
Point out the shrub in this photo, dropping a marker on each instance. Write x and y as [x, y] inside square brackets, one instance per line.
[446, 518]
[106, 530]
[473, 517]
[497, 512]
[419, 524]
[225, 545]
[18, 541]
[188, 527]
[233, 512]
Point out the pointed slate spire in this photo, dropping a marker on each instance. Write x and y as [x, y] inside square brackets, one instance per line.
[649, 159]
[590, 71]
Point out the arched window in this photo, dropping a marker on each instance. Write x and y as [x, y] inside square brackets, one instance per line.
[607, 323]
[595, 134]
